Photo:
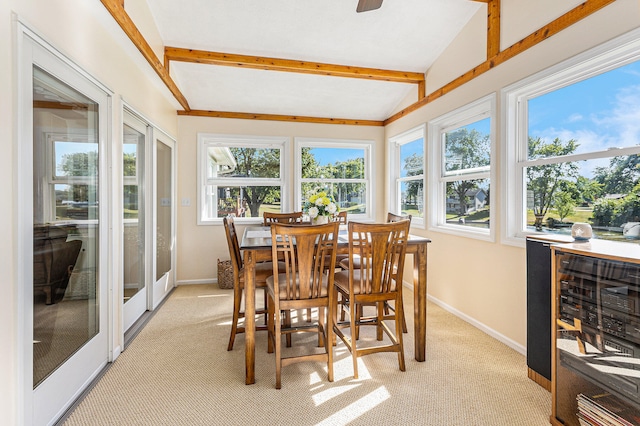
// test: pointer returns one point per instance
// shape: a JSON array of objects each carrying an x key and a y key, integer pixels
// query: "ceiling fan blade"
[{"x": 366, "y": 5}]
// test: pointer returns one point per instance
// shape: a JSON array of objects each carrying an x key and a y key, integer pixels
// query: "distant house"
[{"x": 476, "y": 199}]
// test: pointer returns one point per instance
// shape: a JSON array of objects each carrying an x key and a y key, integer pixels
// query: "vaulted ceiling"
[{"x": 318, "y": 61}]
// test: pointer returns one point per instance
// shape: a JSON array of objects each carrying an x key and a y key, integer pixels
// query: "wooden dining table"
[{"x": 256, "y": 246}]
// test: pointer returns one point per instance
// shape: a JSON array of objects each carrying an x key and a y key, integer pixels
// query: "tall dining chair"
[
  {"x": 263, "y": 270},
  {"x": 302, "y": 283},
  {"x": 269, "y": 217},
  {"x": 344, "y": 264},
  {"x": 341, "y": 217},
  {"x": 382, "y": 248}
]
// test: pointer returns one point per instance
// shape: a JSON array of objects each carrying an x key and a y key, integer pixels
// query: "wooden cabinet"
[{"x": 596, "y": 333}]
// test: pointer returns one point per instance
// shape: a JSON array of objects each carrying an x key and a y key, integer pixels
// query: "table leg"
[
  {"x": 249, "y": 315},
  {"x": 420, "y": 301}
]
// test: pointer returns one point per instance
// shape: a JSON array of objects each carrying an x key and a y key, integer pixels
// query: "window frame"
[
  {"x": 395, "y": 144},
  {"x": 605, "y": 57},
  {"x": 477, "y": 110},
  {"x": 367, "y": 145},
  {"x": 206, "y": 140}
]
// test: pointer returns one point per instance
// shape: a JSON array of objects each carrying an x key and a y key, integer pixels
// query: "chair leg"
[
  {"x": 237, "y": 300},
  {"x": 354, "y": 332},
  {"x": 328, "y": 341},
  {"x": 287, "y": 323},
  {"x": 270, "y": 324},
  {"x": 278, "y": 342},
  {"x": 321, "y": 333},
  {"x": 399, "y": 310}
]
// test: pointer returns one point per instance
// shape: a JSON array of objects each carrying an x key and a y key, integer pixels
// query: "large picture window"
[
  {"x": 341, "y": 169},
  {"x": 573, "y": 146},
  {"x": 240, "y": 176},
  {"x": 462, "y": 156},
  {"x": 406, "y": 160}
]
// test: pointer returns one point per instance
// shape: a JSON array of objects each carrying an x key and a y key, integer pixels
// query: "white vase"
[{"x": 320, "y": 220}]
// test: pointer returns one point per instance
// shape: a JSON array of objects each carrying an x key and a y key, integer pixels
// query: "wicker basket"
[{"x": 225, "y": 274}]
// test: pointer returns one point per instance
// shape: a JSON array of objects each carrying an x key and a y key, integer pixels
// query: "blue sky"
[{"x": 599, "y": 113}]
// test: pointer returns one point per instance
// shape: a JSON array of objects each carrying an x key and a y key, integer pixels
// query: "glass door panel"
[
  {"x": 65, "y": 223},
  {"x": 164, "y": 220},
  {"x": 134, "y": 276},
  {"x": 62, "y": 215}
]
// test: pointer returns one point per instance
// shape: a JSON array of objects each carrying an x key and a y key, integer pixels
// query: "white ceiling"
[{"x": 403, "y": 35}]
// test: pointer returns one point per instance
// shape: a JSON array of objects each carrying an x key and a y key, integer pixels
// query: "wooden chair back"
[
  {"x": 270, "y": 218},
  {"x": 234, "y": 246},
  {"x": 392, "y": 217},
  {"x": 381, "y": 249},
  {"x": 305, "y": 253},
  {"x": 341, "y": 217}
]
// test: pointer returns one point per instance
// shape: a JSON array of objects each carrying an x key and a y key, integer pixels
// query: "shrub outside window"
[{"x": 240, "y": 176}]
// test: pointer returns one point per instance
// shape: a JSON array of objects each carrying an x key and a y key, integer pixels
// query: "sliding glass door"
[
  {"x": 64, "y": 285},
  {"x": 134, "y": 215},
  {"x": 164, "y": 237}
]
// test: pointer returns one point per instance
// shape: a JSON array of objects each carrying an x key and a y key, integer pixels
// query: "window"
[
  {"x": 73, "y": 182},
  {"x": 341, "y": 168},
  {"x": 573, "y": 145},
  {"x": 240, "y": 176},
  {"x": 406, "y": 157},
  {"x": 462, "y": 156}
]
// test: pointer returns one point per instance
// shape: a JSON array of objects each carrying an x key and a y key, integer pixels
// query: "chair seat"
[
  {"x": 282, "y": 281},
  {"x": 263, "y": 271},
  {"x": 341, "y": 281}
]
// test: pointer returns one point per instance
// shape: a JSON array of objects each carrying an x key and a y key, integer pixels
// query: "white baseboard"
[
  {"x": 491, "y": 332},
  {"x": 203, "y": 281}
]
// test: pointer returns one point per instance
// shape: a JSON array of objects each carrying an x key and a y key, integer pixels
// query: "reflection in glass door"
[
  {"x": 68, "y": 290},
  {"x": 164, "y": 236},
  {"x": 134, "y": 277}
]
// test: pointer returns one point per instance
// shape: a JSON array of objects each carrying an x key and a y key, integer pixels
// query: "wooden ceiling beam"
[
  {"x": 554, "y": 27},
  {"x": 493, "y": 28},
  {"x": 275, "y": 117},
  {"x": 116, "y": 9},
  {"x": 289, "y": 65}
]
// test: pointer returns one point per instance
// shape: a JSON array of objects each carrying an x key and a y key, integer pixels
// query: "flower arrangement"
[{"x": 320, "y": 204}]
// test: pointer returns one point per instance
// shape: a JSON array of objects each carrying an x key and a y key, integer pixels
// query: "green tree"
[
  {"x": 257, "y": 163},
  {"x": 414, "y": 165},
  {"x": 80, "y": 164},
  {"x": 621, "y": 175},
  {"x": 543, "y": 181},
  {"x": 465, "y": 149},
  {"x": 564, "y": 205}
]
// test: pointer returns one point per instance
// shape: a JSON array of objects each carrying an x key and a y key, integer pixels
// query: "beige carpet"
[{"x": 178, "y": 372}]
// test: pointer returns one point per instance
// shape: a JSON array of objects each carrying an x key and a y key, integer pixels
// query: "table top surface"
[{"x": 255, "y": 237}]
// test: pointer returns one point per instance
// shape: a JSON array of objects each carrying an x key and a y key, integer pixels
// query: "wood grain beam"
[
  {"x": 288, "y": 65},
  {"x": 493, "y": 28},
  {"x": 554, "y": 27},
  {"x": 116, "y": 9},
  {"x": 275, "y": 117}
]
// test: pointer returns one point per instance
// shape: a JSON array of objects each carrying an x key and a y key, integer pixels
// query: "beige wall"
[
  {"x": 85, "y": 33},
  {"x": 200, "y": 246},
  {"x": 486, "y": 281}
]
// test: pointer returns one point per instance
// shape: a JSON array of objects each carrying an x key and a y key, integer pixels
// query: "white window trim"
[
  {"x": 394, "y": 167},
  {"x": 210, "y": 139},
  {"x": 367, "y": 145},
  {"x": 607, "y": 56},
  {"x": 482, "y": 108}
]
